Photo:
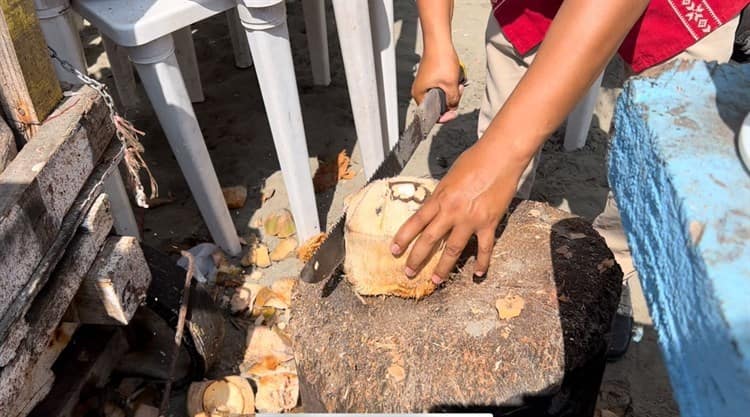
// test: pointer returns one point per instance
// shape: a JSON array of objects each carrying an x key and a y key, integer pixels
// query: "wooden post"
[{"x": 29, "y": 89}]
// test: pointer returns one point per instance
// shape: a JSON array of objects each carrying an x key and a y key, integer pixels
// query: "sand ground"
[{"x": 233, "y": 122}]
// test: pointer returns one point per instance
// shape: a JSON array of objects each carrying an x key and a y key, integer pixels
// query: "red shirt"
[{"x": 665, "y": 29}]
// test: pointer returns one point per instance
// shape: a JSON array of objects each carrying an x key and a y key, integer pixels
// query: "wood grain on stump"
[{"x": 451, "y": 350}]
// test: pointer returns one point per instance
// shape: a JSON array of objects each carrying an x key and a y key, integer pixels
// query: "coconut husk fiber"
[{"x": 452, "y": 350}]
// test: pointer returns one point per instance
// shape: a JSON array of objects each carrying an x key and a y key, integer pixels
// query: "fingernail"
[
  {"x": 409, "y": 272},
  {"x": 479, "y": 273},
  {"x": 437, "y": 280},
  {"x": 395, "y": 249}
]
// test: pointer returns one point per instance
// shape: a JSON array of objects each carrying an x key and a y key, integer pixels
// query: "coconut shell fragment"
[
  {"x": 283, "y": 249},
  {"x": 280, "y": 224},
  {"x": 232, "y": 395}
]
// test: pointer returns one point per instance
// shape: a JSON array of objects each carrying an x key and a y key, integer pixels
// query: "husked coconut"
[{"x": 373, "y": 216}]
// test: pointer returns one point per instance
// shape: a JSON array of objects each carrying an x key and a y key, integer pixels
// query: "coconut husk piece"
[
  {"x": 231, "y": 395},
  {"x": 373, "y": 216},
  {"x": 451, "y": 351}
]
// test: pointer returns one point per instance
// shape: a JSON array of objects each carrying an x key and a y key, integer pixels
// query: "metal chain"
[
  {"x": 126, "y": 133},
  {"x": 100, "y": 88}
]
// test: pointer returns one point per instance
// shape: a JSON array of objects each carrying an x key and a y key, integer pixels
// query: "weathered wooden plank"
[
  {"x": 17, "y": 334},
  {"x": 41, "y": 378},
  {"x": 22, "y": 302},
  {"x": 25, "y": 377},
  {"x": 29, "y": 88},
  {"x": 41, "y": 183},
  {"x": 53, "y": 300},
  {"x": 7, "y": 145},
  {"x": 115, "y": 285},
  {"x": 88, "y": 360}
]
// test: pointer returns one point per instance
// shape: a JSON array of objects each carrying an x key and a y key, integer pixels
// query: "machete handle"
[{"x": 443, "y": 100}]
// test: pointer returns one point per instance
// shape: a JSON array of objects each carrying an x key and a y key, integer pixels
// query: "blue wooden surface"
[{"x": 684, "y": 198}]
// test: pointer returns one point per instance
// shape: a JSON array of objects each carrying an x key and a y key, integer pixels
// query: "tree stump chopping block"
[{"x": 539, "y": 316}]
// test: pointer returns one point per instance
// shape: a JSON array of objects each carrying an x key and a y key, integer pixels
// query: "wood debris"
[
  {"x": 268, "y": 351},
  {"x": 331, "y": 172},
  {"x": 397, "y": 372},
  {"x": 277, "y": 392},
  {"x": 509, "y": 306},
  {"x": 161, "y": 201}
]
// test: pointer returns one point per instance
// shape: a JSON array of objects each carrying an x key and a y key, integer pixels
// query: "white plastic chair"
[
  {"x": 156, "y": 36},
  {"x": 145, "y": 29}
]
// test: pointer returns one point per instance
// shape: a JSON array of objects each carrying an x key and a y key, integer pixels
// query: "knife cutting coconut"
[{"x": 361, "y": 239}]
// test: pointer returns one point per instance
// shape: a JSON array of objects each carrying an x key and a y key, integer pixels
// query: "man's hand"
[
  {"x": 439, "y": 67},
  {"x": 470, "y": 200}
]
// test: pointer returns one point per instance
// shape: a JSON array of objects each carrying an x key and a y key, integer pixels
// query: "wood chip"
[
  {"x": 277, "y": 392},
  {"x": 283, "y": 249},
  {"x": 161, "y": 201},
  {"x": 397, "y": 372},
  {"x": 510, "y": 306},
  {"x": 306, "y": 251},
  {"x": 331, "y": 172}
]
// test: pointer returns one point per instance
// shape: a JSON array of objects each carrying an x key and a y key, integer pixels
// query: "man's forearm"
[
  {"x": 580, "y": 42},
  {"x": 435, "y": 19}
]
